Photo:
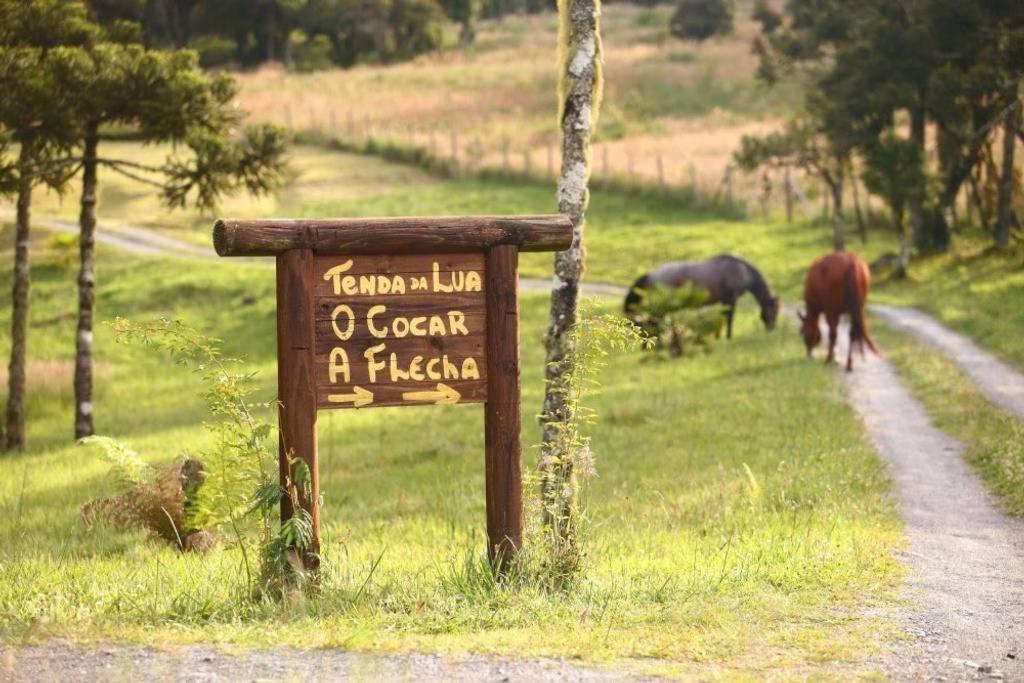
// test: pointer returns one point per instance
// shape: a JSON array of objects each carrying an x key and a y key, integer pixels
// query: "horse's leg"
[
  {"x": 833, "y": 331},
  {"x": 728, "y": 320},
  {"x": 849, "y": 352}
]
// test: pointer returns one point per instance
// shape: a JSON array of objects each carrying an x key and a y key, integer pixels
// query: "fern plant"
[{"x": 240, "y": 491}]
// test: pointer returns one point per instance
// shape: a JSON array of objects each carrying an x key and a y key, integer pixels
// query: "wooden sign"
[
  {"x": 400, "y": 330},
  {"x": 400, "y": 312}
]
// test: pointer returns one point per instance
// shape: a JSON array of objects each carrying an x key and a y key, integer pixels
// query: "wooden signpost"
[{"x": 400, "y": 312}]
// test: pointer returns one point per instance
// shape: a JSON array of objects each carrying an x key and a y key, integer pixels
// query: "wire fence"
[{"x": 449, "y": 151}]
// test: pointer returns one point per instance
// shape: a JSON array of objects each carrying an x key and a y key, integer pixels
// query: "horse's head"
[
  {"x": 770, "y": 313},
  {"x": 810, "y": 331}
]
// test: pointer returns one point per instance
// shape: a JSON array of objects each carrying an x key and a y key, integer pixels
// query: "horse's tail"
[
  {"x": 634, "y": 295},
  {"x": 858, "y": 325}
]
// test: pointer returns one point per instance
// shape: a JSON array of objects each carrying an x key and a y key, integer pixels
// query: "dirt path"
[
  {"x": 57, "y": 661},
  {"x": 1000, "y": 383},
  {"x": 965, "y": 584}
]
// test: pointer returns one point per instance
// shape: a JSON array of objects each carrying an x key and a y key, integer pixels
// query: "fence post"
[
  {"x": 789, "y": 195},
  {"x": 455, "y": 152}
]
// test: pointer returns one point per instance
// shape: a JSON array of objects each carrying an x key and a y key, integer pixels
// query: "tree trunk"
[
  {"x": 86, "y": 287},
  {"x": 580, "y": 79},
  {"x": 838, "y": 232},
  {"x": 15, "y": 439},
  {"x": 917, "y": 136},
  {"x": 905, "y": 238},
  {"x": 1010, "y": 125},
  {"x": 862, "y": 227}
]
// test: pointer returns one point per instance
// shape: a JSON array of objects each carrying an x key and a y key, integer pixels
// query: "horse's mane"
[{"x": 758, "y": 285}]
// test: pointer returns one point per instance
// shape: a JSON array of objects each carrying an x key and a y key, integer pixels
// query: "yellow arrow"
[
  {"x": 358, "y": 398},
  {"x": 444, "y": 395}
]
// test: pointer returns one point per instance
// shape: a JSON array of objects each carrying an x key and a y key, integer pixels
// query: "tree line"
[
  {"x": 921, "y": 98},
  {"x": 303, "y": 33},
  {"x": 70, "y": 83}
]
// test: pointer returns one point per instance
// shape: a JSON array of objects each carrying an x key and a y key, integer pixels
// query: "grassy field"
[
  {"x": 740, "y": 520},
  {"x": 973, "y": 289},
  {"x": 687, "y": 103}
]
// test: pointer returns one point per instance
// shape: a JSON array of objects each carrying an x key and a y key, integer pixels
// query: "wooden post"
[
  {"x": 502, "y": 421},
  {"x": 455, "y": 152},
  {"x": 789, "y": 195},
  {"x": 295, "y": 387}
]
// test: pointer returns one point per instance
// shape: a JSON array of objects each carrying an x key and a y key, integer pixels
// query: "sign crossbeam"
[{"x": 400, "y": 312}]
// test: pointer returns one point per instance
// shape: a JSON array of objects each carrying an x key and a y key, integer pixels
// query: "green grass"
[
  {"x": 740, "y": 519},
  {"x": 973, "y": 289},
  {"x": 994, "y": 438}
]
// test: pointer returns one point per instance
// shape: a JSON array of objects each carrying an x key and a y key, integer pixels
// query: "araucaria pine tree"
[{"x": 40, "y": 42}]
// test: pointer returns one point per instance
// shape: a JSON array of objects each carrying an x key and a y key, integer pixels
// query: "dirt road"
[
  {"x": 57, "y": 661},
  {"x": 965, "y": 584},
  {"x": 1000, "y": 383}
]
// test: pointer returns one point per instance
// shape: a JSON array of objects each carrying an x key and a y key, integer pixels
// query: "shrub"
[
  {"x": 676, "y": 319},
  {"x": 158, "y": 500},
  {"x": 700, "y": 19},
  {"x": 214, "y": 50},
  {"x": 311, "y": 54}
]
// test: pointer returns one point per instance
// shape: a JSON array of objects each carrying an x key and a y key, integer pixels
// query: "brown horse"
[{"x": 837, "y": 283}]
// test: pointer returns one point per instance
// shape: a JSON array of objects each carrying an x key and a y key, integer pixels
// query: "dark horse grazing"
[
  {"x": 837, "y": 283},
  {"x": 726, "y": 278}
]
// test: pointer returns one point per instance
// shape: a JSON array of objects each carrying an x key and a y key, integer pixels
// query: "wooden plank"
[
  {"x": 342, "y": 310},
  {"x": 503, "y": 457},
  {"x": 382, "y": 275},
  {"x": 408, "y": 393},
  {"x": 402, "y": 263},
  {"x": 269, "y": 237},
  {"x": 454, "y": 347},
  {"x": 295, "y": 384},
  {"x": 408, "y": 305},
  {"x": 358, "y": 329}
]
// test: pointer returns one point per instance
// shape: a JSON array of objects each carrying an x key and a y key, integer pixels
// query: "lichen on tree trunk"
[
  {"x": 86, "y": 287},
  {"x": 579, "y": 93},
  {"x": 15, "y": 438}
]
